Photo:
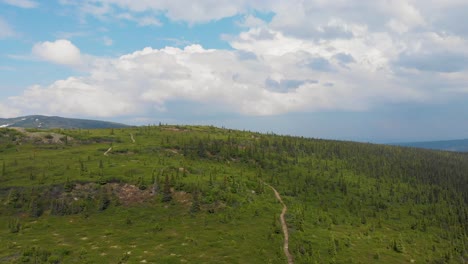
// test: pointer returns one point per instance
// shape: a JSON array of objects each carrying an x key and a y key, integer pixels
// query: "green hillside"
[{"x": 192, "y": 194}]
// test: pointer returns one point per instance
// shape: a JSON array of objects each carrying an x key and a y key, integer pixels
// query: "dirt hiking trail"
[
  {"x": 283, "y": 225},
  {"x": 105, "y": 153}
]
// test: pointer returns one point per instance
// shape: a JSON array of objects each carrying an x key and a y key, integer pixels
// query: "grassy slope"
[
  {"x": 328, "y": 223},
  {"x": 241, "y": 233}
]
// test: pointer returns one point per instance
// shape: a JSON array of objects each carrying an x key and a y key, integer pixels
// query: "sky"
[{"x": 367, "y": 70}]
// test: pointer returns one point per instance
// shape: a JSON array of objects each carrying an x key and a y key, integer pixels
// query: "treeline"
[{"x": 56, "y": 199}]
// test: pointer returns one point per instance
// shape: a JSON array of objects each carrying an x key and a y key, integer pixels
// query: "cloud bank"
[{"x": 312, "y": 56}]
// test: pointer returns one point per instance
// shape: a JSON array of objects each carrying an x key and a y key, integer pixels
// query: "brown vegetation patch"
[
  {"x": 130, "y": 194},
  {"x": 175, "y": 129},
  {"x": 127, "y": 194},
  {"x": 182, "y": 198},
  {"x": 42, "y": 137}
]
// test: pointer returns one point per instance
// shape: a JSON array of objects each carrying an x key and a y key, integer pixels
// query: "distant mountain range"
[
  {"x": 47, "y": 122},
  {"x": 460, "y": 145}
]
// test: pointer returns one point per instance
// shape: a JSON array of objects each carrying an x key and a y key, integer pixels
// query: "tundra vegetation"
[{"x": 197, "y": 194}]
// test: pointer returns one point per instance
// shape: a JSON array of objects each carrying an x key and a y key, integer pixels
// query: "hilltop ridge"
[{"x": 48, "y": 122}]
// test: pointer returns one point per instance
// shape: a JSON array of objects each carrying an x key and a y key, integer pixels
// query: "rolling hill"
[
  {"x": 47, "y": 122},
  {"x": 201, "y": 194}
]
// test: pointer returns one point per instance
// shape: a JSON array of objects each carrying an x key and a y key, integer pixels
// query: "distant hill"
[
  {"x": 47, "y": 122},
  {"x": 460, "y": 145}
]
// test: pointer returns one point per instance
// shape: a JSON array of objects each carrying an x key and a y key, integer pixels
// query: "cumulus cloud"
[
  {"x": 150, "y": 79},
  {"x": 286, "y": 85},
  {"x": 61, "y": 51},
  {"x": 72, "y": 96},
  {"x": 435, "y": 62},
  {"x": 6, "y": 111},
  {"x": 310, "y": 18},
  {"x": 405, "y": 12},
  {"x": 22, "y": 3},
  {"x": 314, "y": 55},
  {"x": 250, "y": 21}
]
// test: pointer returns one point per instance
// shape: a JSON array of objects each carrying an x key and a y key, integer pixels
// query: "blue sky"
[{"x": 379, "y": 71}]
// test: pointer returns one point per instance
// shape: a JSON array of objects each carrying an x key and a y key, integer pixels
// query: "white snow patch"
[{"x": 6, "y": 125}]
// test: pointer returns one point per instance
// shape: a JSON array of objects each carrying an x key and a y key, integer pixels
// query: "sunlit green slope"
[{"x": 166, "y": 194}]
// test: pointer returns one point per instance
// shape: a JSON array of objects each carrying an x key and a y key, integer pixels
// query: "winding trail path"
[
  {"x": 284, "y": 226},
  {"x": 132, "y": 138},
  {"x": 105, "y": 153}
]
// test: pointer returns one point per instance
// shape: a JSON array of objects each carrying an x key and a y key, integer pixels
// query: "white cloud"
[
  {"x": 148, "y": 21},
  {"x": 314, "y": 55},
  {"x": 183, "y": 10},
  {"x": 141, "y": 21},
  {"x": 298, "y": 17},
  {"x": 189, "y": 11},
  {"x": 150, "y": 79},
  {"x": 251, "y": 21},
  {"x": 5, "y": 30},
  {"x": 397, "y": 26},
  {"x": 405, "y": 12},
  {"x": 61, "y": 51},
  {"x": 7, "y": 111},
  {"x": 71, "y": 96},
  {"x": 22, "y": 3}
]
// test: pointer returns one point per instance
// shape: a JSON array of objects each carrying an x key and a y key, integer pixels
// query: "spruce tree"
[
  {"x": 196, "y": 203},
  {"x": 167, "y": 196}
]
